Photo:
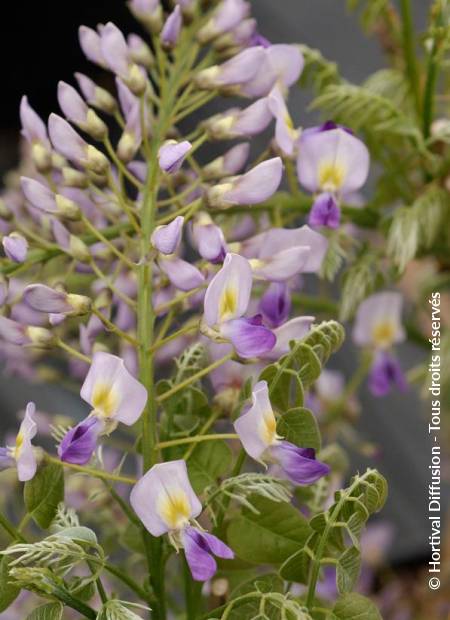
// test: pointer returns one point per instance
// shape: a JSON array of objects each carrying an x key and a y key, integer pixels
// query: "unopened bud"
[
  {"x": 80, "y": 303},
  {"x": 40, "y": 337},
  {"x": 215, "y": 195},
  {"x": 74, "y": 178},
  {"x": 104, "y": 101},
  {"x": 67, "y": 207},
  {"x": 96, "y": 160},
  {"x": 42, "y": 157},
  {"x": 95, "y": 127},
  {"x": 58, "y": 161},
  {"x": 5, "y": 213},
  {"x": 126, "y": 147},
  {"x": 79, "y": 250},
  {"x": 136, "y": 80},
  {"x": 103, "y": 299}
]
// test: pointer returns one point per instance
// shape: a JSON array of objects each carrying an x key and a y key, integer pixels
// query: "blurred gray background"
[{"x": 49, "y": 37}]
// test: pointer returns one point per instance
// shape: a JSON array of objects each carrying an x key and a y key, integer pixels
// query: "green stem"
[
  {"x": 6, "y": 524},
  {"x": 409, "y": 51},
  {"x": 429, "y": 92},
  {"x": 96, "y": 473},
  {"x": 316, "y": 562},
  {"x": 69, "y": 600},
  {"x": 196, "y": 439},
  {"x": 180, "y": 332},
  {"x": 195, "y": 377},
  {"x": 113, "y": 328},
  {"x": 71, "y": 351},
  {"x": 122, "y": 576}
]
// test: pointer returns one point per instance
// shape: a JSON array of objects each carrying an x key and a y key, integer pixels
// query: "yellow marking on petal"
[
  {"x": 18, "y": 447},
  {"x": 268, "y": 428},
  {"x": 331, "y": 176},
  {"x": 383, "y": 334},
  {"x": 175, "y": 509},
  {"x": 228, "y": 303},
  {"x": 104, "y": 399}
]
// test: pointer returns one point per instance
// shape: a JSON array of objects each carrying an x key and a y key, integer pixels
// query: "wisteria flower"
[
  {"x": 171, "y": 155},
  {"x": 114, "y": 395},
  {"x": 22, "y": 455},
  {"x": 15, "y": 247},
  {"x": 257, "y": 430},
  {"x": 165, "y": 502},
  {"x": 226, "y": 301}
]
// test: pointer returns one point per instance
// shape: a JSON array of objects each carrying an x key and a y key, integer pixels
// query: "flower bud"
[
  {"x": 42, "y": 157},
  {"x": 15, "y": 247},
  {"x": 74, "y": 178},
  {"x": 40, "y": 337},
  {"x": 80, "y": 304},
  {"x": 172, "y": 28},
  {"x": 136, "y": 80},
  {"x": 95, "y": 127},
  {"x": 67, "y": 207},
  {"x": 140, "y": 52},
  {"x": 95, "y": 95},
  {"x": 96, "y": 160},
  {"x": 79, "y": 250},
  {"x": 149, "y": 12},
  {"x": 127, "y": 146}
]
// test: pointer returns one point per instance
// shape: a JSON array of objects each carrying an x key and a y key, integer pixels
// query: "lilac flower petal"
[
  {"x": 39, "y": 195},
  {"x": 45, "y": 299},
  {"x": 70, "y": 102},
  {"x": 285, "y": 134},
  {"x": 90, "y": 43},
  {"x": 281, "y": 63},
  {"x": 234, "y": 159},
  {"x": 33, "y": 127},
  {"x": 228, "y": 294},
  {"x": 299, "y": 464},
  {"x": 325, "y": 212},
  {"x": 112, "y": 391},
  {"x": 249, "y": 337},
  {"x": 257, "y": 427},
  {"x": 24, "y": 454},
  {"x": 167, "y": 238},
  {"x": 163, "y": 498},
  {"x": 378, "y": 320},
  {"x": 114, "y": 49},
  {"x": 253, "y": 187},
  {"x": 199, "y": 547},
  {"x": 238, "y": 70},
  {"x": 209, "y": 240},
  {"x": 253, "y": 119},
  {"x": 15, "y": 247},
  {"x": 172, "y": 28},
  {"x": 275, "y": 304},
  {"x": 295, "y": 329},
  {"x": 12, "y": 332},
  {"x": 386, "y": 373},
  {"x": 281, "y": 266},
  {"x": 332, "y": 161},
  {"x": 60, "y": 234},
  {"x": 66, "y": 140},
  {"x": 171, "y": 155},
  {"x": 227, "y": 16},
  {"x": 182, "y": 274},
  {"x": 79, "y": 442}
]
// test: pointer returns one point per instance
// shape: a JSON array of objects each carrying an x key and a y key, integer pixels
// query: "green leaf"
[
  {"x": 269, "y": 537},
  {"x": 208, "y": 462},
  {"x": 50, "y": 611},
  {"x": 270, "y": 582},
  {"x": 296, "y": 568},
  {"x": 347, "y": 570},
  {"x": 78, "y": 533},
  {"x": 286, "y": 386},
  {"x": 43, "y": 493},
  {"x": 356, "y": 607},
  {"x": 299, "y": 426},
  {"x": 8, "y": 591},
  {"x": 115, "y": 610}
]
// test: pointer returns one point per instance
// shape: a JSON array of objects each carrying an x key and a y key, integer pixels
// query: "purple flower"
[
  {"x": 199, "y": 549},
  {"x": 378, "y": 321},
  {"x": 13, "y": 332},
  {"x": 115, "y": 51},
  {"x": 21, "y": 455},
  {"x": 208, "y": 239},
  {"x": 90, "y": 43},
  {"x": 45, "y": 299},
  {"x": 139, "y": 51},
  {"x": 253, "y": 187},
  {"x": 131, "y": 138},
  {"x": 257, "y": 430},
  {"x": 385, "y": 374},
  {"x": 226, "y": 17},
  {"x": 172, "y": 28},
  {"x": 42, "y": 198},
  {"x": 79, "y": 443},
  {"x": 76, "y": 110},
  {"x": 15, "y": 247},
  {"x": 282, "y": 265},
  {"x": 165, "y": 502},
  {"x": 279, "y": 63},
  {"x": 286, "y": 136},
  {"x": 238, "y": 70},
  {"x": 167, "y": 238},
  {"x": 295, "y": 329},
  {"x": 95, "y": 95},
  {"x": 275, "y": 240},
  {"x": 33, "y": 127},
  {"x": 150, "y": 12},
  {"x": 275, "y": 304},
  {"x": 237, "y": 123},
  {"x": 182, "y": 274},
  {"x": 325, "y": 212},
  {"x": 171, "y": 155},
  {"x": 231, "y": 163},
  {"x": 332, "y": 160},
  {"x": 226, "y": 301}
]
